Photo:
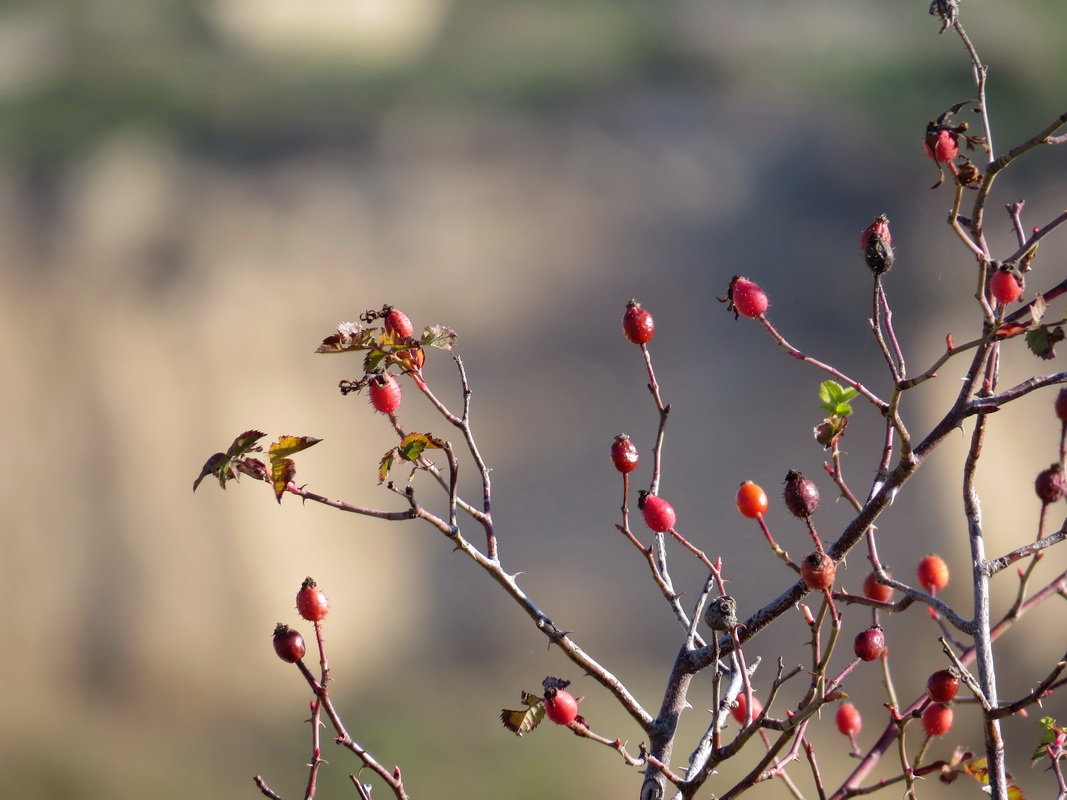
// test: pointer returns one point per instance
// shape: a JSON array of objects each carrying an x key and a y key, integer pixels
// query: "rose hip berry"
[
  {"x": 311, "y": 601},
  {"x": 942, "y": 685},
  {"x": 801, "y": 495},
  {"x": 623, "y": 454},
  {"x": 873, "y": 590},
  {"x": 751, "y": 500},
  {"x": 941, "y": 143},
  {"x": 638, "y": 324},
  {"x": 745, "y": 298},
  {"x": 869, "y": 644},
  {"x": 385, "y": 393},
  {"x": 288, "y": 643},
  {"x": 848, "y": 719},
  {"x": 1061, "y": 405},
  {"x": 658, "y": 513},
  {"x": 561, "y": 708},
  {"x": 877, "y": 245},
  {"x": 817, "y": 570},
  {"x": 937, "y": 719},
  {"x": 738, "y": 711},
  {"x": 1051, "y": 484},
  {"x": 1006, "y": 285},
  {"x": 933, "y": 573},
  {"x": 397, "y": 324}
]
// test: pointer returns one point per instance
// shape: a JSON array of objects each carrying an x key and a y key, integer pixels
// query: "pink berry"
[
  {"x": 658, "y": 513},
  {"x": 870, "y": 644},
  {"x": 873, "y": 590},
  {"x": 848, "y": 719},
  {"x": 937, "y": 719},
  {"x": 385, "y": 393},
  {"x": 311, "y": 601},
  {"x": 397, "y": 324},
  {"x": 940, "y": 144},
  {"x": 624, "y": 454},
  {"x": 738, "y": 711},
  {"x": 933, "y": 573},
  {"x": 637, "y": 324},
  {"x": 746, "y": 298},
  {"x": 1006, "y": 285},
  {"x": 562, "y": 707}
]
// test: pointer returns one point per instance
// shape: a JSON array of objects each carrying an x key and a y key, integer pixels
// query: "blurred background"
[{"x": 193, "y": 193}]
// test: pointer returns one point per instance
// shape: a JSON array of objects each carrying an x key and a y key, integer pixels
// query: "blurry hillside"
[{"x": 193, "y": 194}]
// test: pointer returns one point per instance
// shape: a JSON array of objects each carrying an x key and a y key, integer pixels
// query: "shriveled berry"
[
  {"x": 877, "y": 245},
  {"x": 848, "y": 719},
  {"x": 638, "y": 324},
  {"x": 937, "y": 719},
  {"x": 801, "y": 495},
  {"x": 941, "y": 143},
  {"x": 933, "y": 573},
  {"x": 869, "y": 644},
  {"x": 1051, "y": 484},
  {"x": 397, "y": 324},
  {"x": 288, "y": 643},
  {"x": 1061, "y": 405},
  {"x": 942, "y": 685},
  {"x": 624, "y": 454},
  {"x": 311, "y": 601},
  {"x": 561, "y": 708},
  {"x": 385, "y": 393},
  {"x": 817, "y": 570},
  {"x": 751, "y": 500},
  {"x": 746, "y": 298},
  {"x": 658, "y": 513},
  {"x": 1006, "y": 285},
  {"x": 873, "y": 590},
  {"x": 738, "y": 711}
]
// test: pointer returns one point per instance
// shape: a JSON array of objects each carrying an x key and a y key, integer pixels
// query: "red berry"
[
  {"x": 801, "y": 495},
  {"x": 751, "y": 500},
  {"x": 746, "y": 298},
  {"x": 817, "y": 570},
  {"x": 1051, "y": 484},
  {"x": 397, "y": 324},
  {"x": 1061, "y": 405},
  {"x": 942, "y": 685},
  {"x": 873, "y": 590},
  {"x": 937, "y": 719},
  {"x": 311, "y": 601},
  {"x": 658, "y": 513},
  {"x": 562, "y": 708},
  {"x": 848, "y": 719},
  {"x": 637, "y": 324},
  {"x": 738, "y": 711},
  {"x": 288, "y": 644},
  {"x": 623, "y": 454},
  {"x": 933, "y": 573},
  {"x": 940, "y": 144},
  {"x": 870, "y": 644},
  {"x": 1006, "y": 285},
  {"x": 385, "y": 393}
]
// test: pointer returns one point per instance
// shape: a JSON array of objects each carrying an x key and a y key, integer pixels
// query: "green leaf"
[
  {"x": 282, "y": 471},
  {"x": 1052, "y": 730},
  {"x": 287, "y": 445},
  {"x": 414, "y": 444},
  {"x": 386, "y": 464},
  {"x": 245, "y": 443},
  {"x": 1042, "y": 341},
  {"x": 835, "y": 398},
  {"x": 221, "y": 466}
]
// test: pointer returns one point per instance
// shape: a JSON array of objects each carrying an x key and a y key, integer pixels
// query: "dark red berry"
[
  {"x": 658, "y": 513},
  {"x": 623, "y": 454},
  {"x": 941, "y": 143},
  {"x": 561, "y": 708},
  {"x": 942, "y": 685},
  {"x": 288, "y": 643},
  {"x": 745, "y": 298},
  {"x": 1051, "y": 484},
  {"x": 933, "y": 573},
  {"x": 311, "y": 601},
  {"x": 817, "y": 570},
  {"x": 877, "y": 245},
  {"x": 385, "y": 393},
  {"x": 848, "y": 719},
  {"x": 873, "y": 590},
  {"x": 869, "y": 644},
  {"x": 1006, "y": 285},
  {"x": 738, "y": 711},
  {"x": 801, "y": 495},
  {"x": 1061, "y": 405},
  {"x": 637, "y": 324},
  {"x": 397, "y": 324},
  {"x": 937, "y": 719}
]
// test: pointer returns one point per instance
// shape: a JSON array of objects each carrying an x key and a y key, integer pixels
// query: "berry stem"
[{"x": 775, "y": 547}]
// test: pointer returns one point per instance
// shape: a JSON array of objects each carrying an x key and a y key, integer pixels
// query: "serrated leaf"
[
  {"x": 1038, "y": 308},
  {"x": 282, "y": 472},
  {"x": 830, "y": 391},
  {"x": 438, "y": 336},
  {"x": 218, "y": 465},
  {"x": 385, "y": 465},
  {"x": 978, "y": 769},
  {"x": 372, "y": 360},
  {"x": 244, "y": 443},
  {"x": 1052, "y": 730},
  {"x": 413, "y": 445},
  {"x": 349, "y": 336},
  {"x": 843, "y": 410},
  {"x": 287, "y": 445},
  {"x": 524, "y": 720},
  {"x": 1042, "y": 341}
]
